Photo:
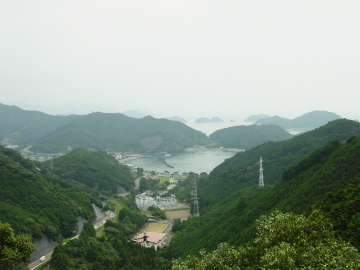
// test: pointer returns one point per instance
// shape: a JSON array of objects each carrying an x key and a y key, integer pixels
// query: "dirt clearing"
[{"x": 182, "y": 214}]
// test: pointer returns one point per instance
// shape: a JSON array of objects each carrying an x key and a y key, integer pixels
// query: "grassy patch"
[
  {"x": 156, "y": 227},
  {"x": 163, "y": 179},
  {"x": 64, "y": 241}
]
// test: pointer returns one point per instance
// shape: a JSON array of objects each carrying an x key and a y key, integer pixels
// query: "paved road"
[{"x": 34, "y": 264}]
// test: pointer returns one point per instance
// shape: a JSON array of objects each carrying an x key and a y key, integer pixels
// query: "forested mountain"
[
  {"x": 246, "y": 137},
  {"x": 283, "y": 241},
  {"x": 98, "y": 170},
  {"x": 36, "y": 202},
  {"x": 113, "y": 250},
  {"x": 236, "y": 201},
  {"x": 318, "y": 169},
  {"x": 22, "y": 127},
  {"x": 98, "y": 131},
  {"x": 242, "y": 169},
  {"x": 118, "y": 132},
  {"x": 341, "y": 207},
  {"x": 308, "y": 120}
]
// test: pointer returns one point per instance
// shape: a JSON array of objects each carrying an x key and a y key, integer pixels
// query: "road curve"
[{"x": 34, "y": 264}]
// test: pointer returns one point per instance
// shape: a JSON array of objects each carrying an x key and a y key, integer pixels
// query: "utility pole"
[
  {"x": 261, "y": 174},
  {"x": 195, "y": 200}
]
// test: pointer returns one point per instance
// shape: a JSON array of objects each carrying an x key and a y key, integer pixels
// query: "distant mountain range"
[
  {"x": 23, "y": 127},
  {"x": 98, "y": 131},
  {"x": 118, "y": 132},
  {"x": 254, "y": 118},
  {"x": 176, "y": 118},
  {"x": 309, "y": 120}
]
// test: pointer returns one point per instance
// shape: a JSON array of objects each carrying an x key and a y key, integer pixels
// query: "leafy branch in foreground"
[
  {"x": 14, "y": 249},
  {"x": 284, "y": 241}
]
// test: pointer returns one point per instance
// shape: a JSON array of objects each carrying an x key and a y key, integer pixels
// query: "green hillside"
[
  {"x": 21, "y": 127},
  {"x": 308, "y": 120},
  {"x": 341, "y": 207},
  {"x": 242, "y": 170},
  {"x": 118, "y": 132},
  {"x": 33, "y": 201},
  {"x": 246, "y": 137},
  {"x": 114, "y": 249},
  {"x": 232, "y": 215},
  {"x": 98, "y": 170},
  {"x": 283, "y": 241}
]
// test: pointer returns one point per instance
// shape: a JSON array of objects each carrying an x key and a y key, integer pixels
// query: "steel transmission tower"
[
  {"x": 261, "y": 174},
  {"x": 195, "y": 201}
]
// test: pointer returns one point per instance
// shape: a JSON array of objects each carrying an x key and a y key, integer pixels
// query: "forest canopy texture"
[
  {"x": 231, "y": 201},
  {"x": 284, "y": 241}
]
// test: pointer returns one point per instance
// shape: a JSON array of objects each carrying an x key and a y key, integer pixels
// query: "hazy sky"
[{"x": 226, "y": 58}]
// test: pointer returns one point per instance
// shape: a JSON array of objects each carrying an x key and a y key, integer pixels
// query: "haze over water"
[{"x": 209, "y": 128}]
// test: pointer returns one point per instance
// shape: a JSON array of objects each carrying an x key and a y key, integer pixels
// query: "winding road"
[{"x": 109, "y": 215}]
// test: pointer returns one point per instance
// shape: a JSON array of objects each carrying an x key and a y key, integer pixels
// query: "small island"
[{"x": 207, "y": 120}]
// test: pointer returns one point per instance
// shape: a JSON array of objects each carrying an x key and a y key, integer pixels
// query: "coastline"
[{"x": 124, "y": 160}]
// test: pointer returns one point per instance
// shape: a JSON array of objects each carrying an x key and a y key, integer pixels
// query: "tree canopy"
[
  {"x": 284, "y": 241},
  {"x": 14, "y": 249},
  {"x": 247, "y": 137},
  {"x": 231, "y": 219},
  {"x": 96, "y": 169},
  {"x": 115, "y": 131}
]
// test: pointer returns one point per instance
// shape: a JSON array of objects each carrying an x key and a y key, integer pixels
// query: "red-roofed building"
[{"x": 151, "y": 239}]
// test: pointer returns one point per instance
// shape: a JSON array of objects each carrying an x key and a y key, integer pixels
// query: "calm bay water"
[{"x": 204, "y": 161}]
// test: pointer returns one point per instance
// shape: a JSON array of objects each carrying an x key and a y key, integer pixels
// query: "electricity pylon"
[{"x": 261, "y": 174}]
